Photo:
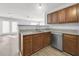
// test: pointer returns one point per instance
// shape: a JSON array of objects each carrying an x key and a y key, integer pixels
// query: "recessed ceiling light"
[{"x": 40, "y": 6}]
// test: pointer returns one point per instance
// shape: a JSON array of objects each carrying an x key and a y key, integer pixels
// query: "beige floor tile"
[{"x": 49, "y": 51}]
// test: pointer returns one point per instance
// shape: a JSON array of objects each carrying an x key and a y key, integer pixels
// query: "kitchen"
[
  {"x": 51, "y": 29},
  {"x": 40, "y": 37}
]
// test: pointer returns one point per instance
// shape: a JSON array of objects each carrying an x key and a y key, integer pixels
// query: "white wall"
[
  {"x": 58, "y": 6},
  {"x": 20, "y": 21},
  {"x": 0, "y": 27}
]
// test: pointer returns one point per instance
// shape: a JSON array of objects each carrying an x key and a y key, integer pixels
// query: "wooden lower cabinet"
[
  {"x": 33, "y": 43},
  {"x": 36, "y": 43},
  {"x": 78, "y": 46},
  {"x": 46, "y": 39},
  {"x": 70, "y": 44},
  {"x": 27, "y": 45}
]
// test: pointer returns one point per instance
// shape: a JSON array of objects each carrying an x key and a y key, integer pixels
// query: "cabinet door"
[
  {"x": 27, "y": 45},
  {"x": 36, "y": 43},
  {"x": 49, "y": 19},
  {"x": 46, "y": 39},
  {"x": 70, "y": 44},
  {"x": 78, "y": 46},
  {"x": 61, "y": 16},
  {"x": 78, "y": 12},
  {"x": 71, "y": 14},
  {"x": 54, "y": 18}
]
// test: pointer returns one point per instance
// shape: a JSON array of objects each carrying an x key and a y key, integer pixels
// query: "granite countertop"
[
  {"x": 74, "y": 32},
  {"x": 32, "y": 32},
  {"x": 52, "y": 31}
]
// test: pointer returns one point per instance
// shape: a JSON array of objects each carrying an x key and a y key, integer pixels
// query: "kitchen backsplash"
[
  {"x": 68, "y": 26},
  {"x": 32, "y": 27},
  {"x": 63, "y": 28},
  {"x": 74, "y": 26}
]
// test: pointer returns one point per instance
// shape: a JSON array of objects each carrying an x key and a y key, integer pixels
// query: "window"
[
  {"x": 5, "y": 27},
  {"x": 14, "y": 26}
]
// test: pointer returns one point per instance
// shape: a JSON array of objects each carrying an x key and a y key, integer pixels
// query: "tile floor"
[{"x": 49, "y": 51}]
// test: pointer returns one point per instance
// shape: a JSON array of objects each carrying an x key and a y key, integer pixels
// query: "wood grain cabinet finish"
[
  {"x": 46, "y": 39},
  {"x": 70, "y": 44},
  {"x": 36, "y": 43},
  {"x": 61, "y": 16},
  {"x": 78, "y": 12},
  {"x": 27, "y": 45},
  {"x": 33, "y": 43},
  {"x": 66, "y": 15},
  {"x": 71, "y": 14},
  {"x": 54, "y": 18},
  {"x": 49, "y": 19},
  {"x": 77, "y": 45}
]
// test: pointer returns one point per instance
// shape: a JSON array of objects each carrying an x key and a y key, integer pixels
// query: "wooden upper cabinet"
[
  {"x": 71, "y": 14},
  {"x": 78, "y": 12},
  {"x": 66, "y": 15},
  {"x": 61, "y": 16},
  {"x": 49, "y": 20},
  {"x": 54, "y": 18}
]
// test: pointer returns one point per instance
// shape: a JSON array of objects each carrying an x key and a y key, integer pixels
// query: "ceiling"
[
  {"x": 27, "y": 11},
  {"x": 22, "y": 10}
]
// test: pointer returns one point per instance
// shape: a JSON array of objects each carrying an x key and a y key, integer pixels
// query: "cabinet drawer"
[
  {"x": 36, "y": 35},
  {"x": 27, "y": 37},
  {"x": 70, "y": 36}
]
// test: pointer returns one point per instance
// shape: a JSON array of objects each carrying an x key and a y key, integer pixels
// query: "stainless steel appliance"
[{"x": 57, "y": 41}]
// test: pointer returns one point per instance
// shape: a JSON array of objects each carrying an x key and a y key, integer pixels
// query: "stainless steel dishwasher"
[{"x": 57, "y": 41}]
